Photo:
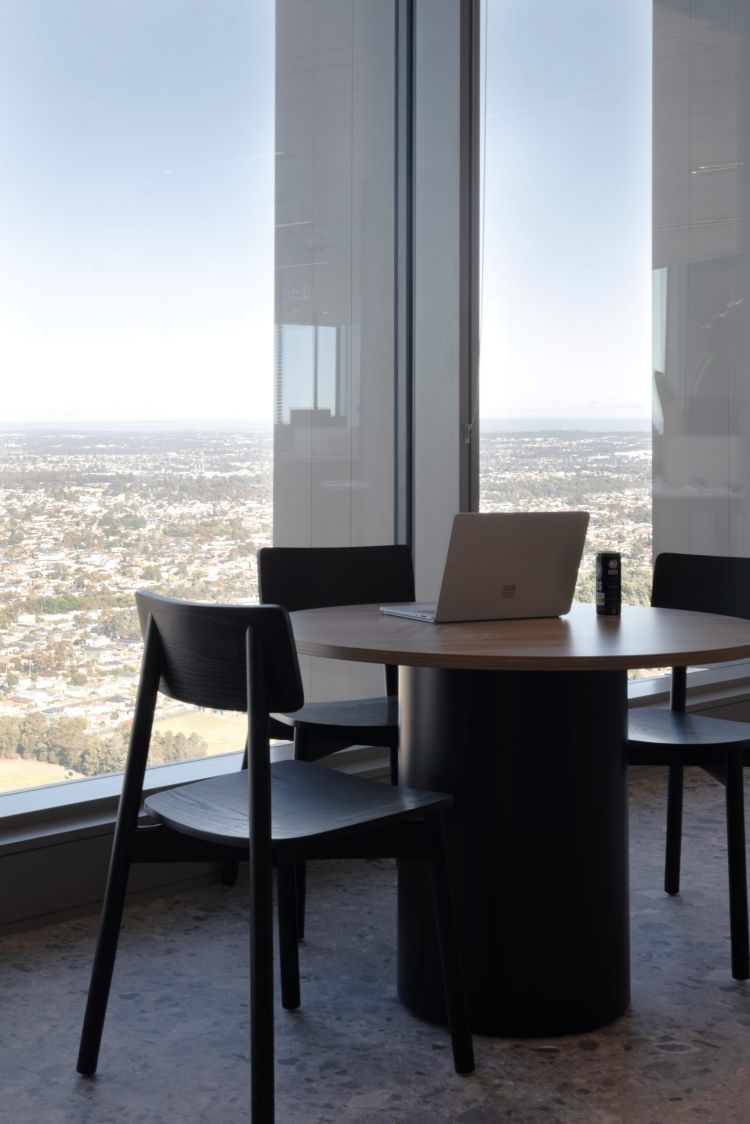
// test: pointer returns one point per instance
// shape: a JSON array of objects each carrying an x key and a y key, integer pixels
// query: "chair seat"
[
  {"x": 378, "y": 714},
  {"x": 307, "y": 801},
  {"x": 665, "y": 729}
]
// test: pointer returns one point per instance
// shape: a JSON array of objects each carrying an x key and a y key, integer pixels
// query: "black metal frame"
[
  {"x": 403, "y": 476},
  {"x": 468, "y": 221},
  {"x": 469, "y": 47}
]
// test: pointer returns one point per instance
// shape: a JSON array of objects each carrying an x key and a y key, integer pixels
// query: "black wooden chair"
[
  {"x": 704, "y": 584},
  {"x": 243, "y": 659},
  {"x": 319, "y": 577}
]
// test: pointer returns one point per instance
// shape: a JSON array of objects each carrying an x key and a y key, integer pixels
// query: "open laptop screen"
[{"x": 506, "y": 565}]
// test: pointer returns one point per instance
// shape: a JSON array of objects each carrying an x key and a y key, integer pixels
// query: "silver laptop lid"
[{"x": 504, "y": 565}]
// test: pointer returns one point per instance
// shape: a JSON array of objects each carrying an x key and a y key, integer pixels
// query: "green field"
[
  {"x": 223, "y": 732},
  {"x": 17, "y": 773}
]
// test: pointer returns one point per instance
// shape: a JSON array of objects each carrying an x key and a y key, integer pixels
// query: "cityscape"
[
  {"x": 605, "y": 473},
  {"x": 86, "y": 518}
]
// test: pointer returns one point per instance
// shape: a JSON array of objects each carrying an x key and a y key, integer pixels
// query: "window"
[
  {"x": 701, "y": 424},
  {"x": 565, "y": 260},
  {"x": 147, "y": 160},
  {"x": 137, "y": 343},
  {"x": 335, "y": 233}
]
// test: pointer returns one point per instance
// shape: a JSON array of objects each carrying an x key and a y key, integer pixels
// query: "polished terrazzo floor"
[{"x": 175, "y": 1045}]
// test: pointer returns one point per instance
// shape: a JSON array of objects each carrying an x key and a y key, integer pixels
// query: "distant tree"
[
  {"x": 108, "y": 525},
  {"x": 8, "y": 614},
  {"x": 59, "y": 603},
  {"x": 132, "y": 522},
  {"x": 52, "y": 658},
  {"x": 102, "y": 756},
  {"x": 67, "y": 741},
  {"x": 9, "y": 737},
  {"x": 32, "y": 737},
  {"x": 169, "y": 746},
  {"x": 74, "y": 540},
  {"x": 119, "y": 624}
]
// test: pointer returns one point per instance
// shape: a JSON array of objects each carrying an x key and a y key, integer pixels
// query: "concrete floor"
[{"x": 175, "y": 1045}]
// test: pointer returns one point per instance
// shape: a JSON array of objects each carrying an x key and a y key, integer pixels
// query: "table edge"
[
  {"x": 521, "y": 663},
  {"x": 389, "y": 651}
]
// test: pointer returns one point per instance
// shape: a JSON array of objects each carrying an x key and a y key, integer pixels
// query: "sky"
[
  {"x": 136, "y": 209},
  {"x": 566, "y": 308}
]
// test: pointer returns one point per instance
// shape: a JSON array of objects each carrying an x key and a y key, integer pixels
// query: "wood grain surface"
[{"x": 580, "y": 641}]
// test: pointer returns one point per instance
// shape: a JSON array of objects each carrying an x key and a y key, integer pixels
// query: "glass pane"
[
  {"x": 334, "y": 431},
  {"x": 701, "y": 286},
  {"x": 565, "y": 271},
  {"x": 136, "y": 340}
]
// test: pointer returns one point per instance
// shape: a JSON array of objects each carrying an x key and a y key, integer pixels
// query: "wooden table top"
[{"x": 580, "y": 641}]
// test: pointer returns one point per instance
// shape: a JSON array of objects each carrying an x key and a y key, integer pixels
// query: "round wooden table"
[{"x": 525, "y": 722}]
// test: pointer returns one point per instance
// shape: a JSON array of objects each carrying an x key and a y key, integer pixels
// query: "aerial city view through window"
[
  {"x": 596, "y": 466},
  {"x": 137, "y": 220},
  {"x": 140, "y": 288},
  {"x": 87, "y": 517}
]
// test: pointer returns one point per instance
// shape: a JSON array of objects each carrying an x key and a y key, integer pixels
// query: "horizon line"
[{"x": 232, "y": 423}]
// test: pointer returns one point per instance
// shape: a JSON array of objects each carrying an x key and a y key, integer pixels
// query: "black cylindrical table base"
[{"x": 536, "y": 762}]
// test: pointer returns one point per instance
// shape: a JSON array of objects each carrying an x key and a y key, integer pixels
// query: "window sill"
[
  {"x": 55, "y": 813},
  {"x": 75, "y": 808},
  {"x": 707, "y": 687},
  {"x": 55, "y": 840}
]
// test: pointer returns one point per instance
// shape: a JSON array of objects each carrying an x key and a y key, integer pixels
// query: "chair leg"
[
  {"x": 737, "y": 865},
  {"x": 674, "y": 830},
  {"x": 262, "y": 1084},
  {"x": 288, "y": 951},
  {"x": 229, "y": 872},
  {"x": 301, "y": 740},
  {"x": 230, "y": 869},
  {"x": 450, "y": 959},
  {"x": 104, "y": 958},
  {"x": 300, "y": 889},
  {"x": 393, "y": 751}
]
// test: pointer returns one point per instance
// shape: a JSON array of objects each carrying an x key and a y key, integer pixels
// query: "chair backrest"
[
  {"x": 703, "y": 583},
  {"x": 315, "y": 577},
  {"x": 228, "y": 657},
  {"x": 202, "y": 652},
  {"x": 318, "y": 577}
]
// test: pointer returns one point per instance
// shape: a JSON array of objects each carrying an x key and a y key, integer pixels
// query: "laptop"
[{"x": 506, "y": 565}]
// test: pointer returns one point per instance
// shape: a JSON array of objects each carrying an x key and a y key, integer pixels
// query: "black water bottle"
[{"x": 608, "y": 584}]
